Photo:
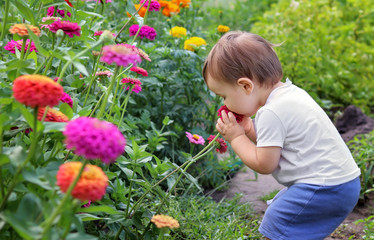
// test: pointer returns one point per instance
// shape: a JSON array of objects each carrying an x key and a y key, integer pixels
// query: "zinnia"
[
  {"x": 220, "y": 143},
  {"x": 53, "y": 115},
  {"x": 51, "y": 12},
  {"x": 93, "y": 138},
  {"x": 69, "y": 28},
  {"x": 163, "y": 221},
  {"x": 182, "y": 3},
  {"x": 194, "y": 138},
  {"x": 122, "y": 55},
  {"x": 134, "y": 82},
  {"x": 193, "y": 43},
  {"x": 145, "y": 31},
  {"x": 37, "y": 90},
  {"x": 67, "y": 99},
  {"x": 178, "y": 32},
  {"x": 140, "y": 71},
  {"x": 21, "y": 29},
  {"x": 223, "y": 28},
  {"x": 12, "y": 45},
  {"x": 238, "y": 117},
  {"x": 104, "y": 73},
  {"x": 155, "y": 5},
  {"x": 170, "y": 9},
  {"x": 141, "y": 12},
  {"x": 91, "y": 185}
]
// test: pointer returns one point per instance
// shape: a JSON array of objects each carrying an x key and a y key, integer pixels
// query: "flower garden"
[{"x": 107, "y": 130}]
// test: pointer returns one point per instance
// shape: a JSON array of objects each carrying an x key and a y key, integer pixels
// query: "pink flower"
[
  {"x": 45, "y": 19},
  {"x": 238, "y": 117},
  {"x": 132, "y": 81},
  {"x": 155, "y": 5},
  {"x": 138, "y": 51},
  {"x": 140, "y": 71},
  {"x": 98, "y": 33},
  {"x": 93, "y": 138},
  {"x": 220, "y": 143},
  {"x": 67, "y": 99},
  {"x": 56, "y": 79},
  {"x": 104, "y": 73},
  {"x": 51, "y": 10},
  {"x": 121, "y": 55},
  {"x": 12, "y": 45},
  {"x": 69, "y": 28},
  {"x": 196, "y": 139},
  {"x": 145, "y": 31}
]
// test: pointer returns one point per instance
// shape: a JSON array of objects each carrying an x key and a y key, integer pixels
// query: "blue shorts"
[{"x": 306, "y": 211}]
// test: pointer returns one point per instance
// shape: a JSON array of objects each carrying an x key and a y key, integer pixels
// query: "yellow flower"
[
  {"x": 193, "y": 43},
  {"x": 163, "y": 221},
  {"x": 178, "y": 32},
  {"x": 223, "y": 28}
]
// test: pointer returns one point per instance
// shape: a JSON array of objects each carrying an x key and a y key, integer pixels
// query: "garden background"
[{"x": 116, "y": 116}]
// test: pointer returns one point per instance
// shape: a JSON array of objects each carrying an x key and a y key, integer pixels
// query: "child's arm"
[
  {"x": 247, "y": 124},
  {"x": 263, "y": 160}
]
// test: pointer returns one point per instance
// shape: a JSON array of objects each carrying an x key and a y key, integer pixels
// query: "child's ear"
[{"x": 246, "y": 84}]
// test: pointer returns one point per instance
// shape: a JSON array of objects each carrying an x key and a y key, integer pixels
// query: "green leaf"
[
  {"x": 29, "y": 208},
  {"x": 66, "y": 109},
  {"x": 102, "y": 208},
  {"x": 167, "y": 121},
  {"x": 25, "y": 11},
  {"x": 54, "y": 126},
  {"x": 33, "y": 56},
  {"x": 89, "y": 217},
  {"x": 34, "y": 178},
  {"x": 36, "y": 41},
  {"x": 81, "y": 68},
  {"x": 4, "y": 159},
  {"x": 26, "y": 229}
]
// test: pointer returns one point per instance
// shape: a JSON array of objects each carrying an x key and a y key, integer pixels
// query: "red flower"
[
  {"x": 37, "y": 91},
  {"x": 220, "y": 143},
  {"x": 140, "y": 71},
  {"x": 68, "y": 2},
  {"x": 238, "y": 117}
]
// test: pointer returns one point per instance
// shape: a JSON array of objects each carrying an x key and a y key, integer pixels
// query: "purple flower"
[
  {"x": 69, "y": 28},
  {"x": 93, "y": 138},
  {"x": 12, "y": 45},
  {"x": 155, "y": 5},
  {"x": 194, "y": 138},
  {"x": 51, "y": 11},
  {"x": 120, "y": 54},
  {"x": 67, "y": 99},
  {"x": 145, "y": 31}
]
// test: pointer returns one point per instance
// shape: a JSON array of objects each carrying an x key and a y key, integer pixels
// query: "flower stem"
[
  {"x": 92, "y": 80},
  {"x": 125, "y": 105},
  {"x": 5, "y": 19},
  {"x": 48, "y": 223}
]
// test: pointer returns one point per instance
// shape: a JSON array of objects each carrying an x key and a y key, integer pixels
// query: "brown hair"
[{"x": 241, "y": 54}]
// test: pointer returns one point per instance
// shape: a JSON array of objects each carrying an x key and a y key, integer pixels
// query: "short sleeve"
[{"x": 269, "y": 129}]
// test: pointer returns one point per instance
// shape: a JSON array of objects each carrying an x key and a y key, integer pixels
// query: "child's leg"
[{"x": 307, "y": 211}]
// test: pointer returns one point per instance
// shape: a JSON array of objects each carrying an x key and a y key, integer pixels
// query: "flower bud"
[
  {"x": 106, "y": 36},
  {"x": 60, "y": 33}
]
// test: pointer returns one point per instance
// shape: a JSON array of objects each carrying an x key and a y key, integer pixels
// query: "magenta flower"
[
  {"x": 93, "y": 138},
  {"x": 238, "y": 117},
  {"x": 120, "y": 54},
  {"x": 194, "y": 138},
  {"x": 155, "y": 5},
  {"x": 69, "y": 28},
  {"x": 140, "y": 52},
  {"x": 67, "y": 99},
  {"x": 12, "y": 45},
  {"x": 140, "y": 71},
  {"x": 132, "y": 81},
  {"x": 45, "y": 19},
  {"x": 220, "y": 143},
  {"x": 145, "y": 31},
  {"x": 51, "y": 10}
]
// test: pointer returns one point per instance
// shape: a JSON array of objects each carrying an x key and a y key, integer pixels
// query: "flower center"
[{"x": 196, "y": 137}]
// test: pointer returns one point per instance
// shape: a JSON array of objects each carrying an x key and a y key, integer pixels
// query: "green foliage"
[
  {"x": 326, "y": 48},
  {"x": 368, "y": 227}
]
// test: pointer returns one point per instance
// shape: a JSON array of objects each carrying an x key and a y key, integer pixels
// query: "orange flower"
[
  {"x": 91, "y": 185},
  {"x": 21, "y": 29},
  {"x": 172, "y": 8},
  {"x": 163, "y": 221},
  {"x": 141, "y": 11},
  {"x": 53, "y": 115},
  {"x": 164, "y": 3},
  {"x": 182, "y": 3},
  {"x": 37, "y": 91}
]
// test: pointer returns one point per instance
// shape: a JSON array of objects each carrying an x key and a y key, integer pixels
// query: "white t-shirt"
[{"x": 313, "y": 151}]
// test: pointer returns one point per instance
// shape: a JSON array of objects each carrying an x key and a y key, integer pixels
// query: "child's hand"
[
  {"x": 247, "y": 124},
  {"x": 228, "y": 126}
]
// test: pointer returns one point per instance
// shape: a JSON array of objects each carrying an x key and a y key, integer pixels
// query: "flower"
[
  {"x": 162, "y": 221},
  {"x": 93, "y": 138},
  {"x": 21, "y": 29},
  {"x": 140, "y": 71},
  {"x": 91, "y": 185},
  {"x": 170, "y": 8},
  {"x": 178, "y": 32},
  {"x": 145, "y": 31},
  {"x": 69, "y": 28},
  {"x": 101, "y": 1},
  {"x": 220, "y": 143},
  {"x": 155, "y": 5},
  {"x": 238, "y": 117},
  {"x": 98, "y": 33},
  {"x": 45, "y": 19},
  {"x": 12, "y": 45},
  {"x": 53, "y": 115},
  {"x": 67, "y": 99},
  {"x": 132, "y": 81},
  {"x": 104, "y": 73},
  {"x": 196, "y": 139},
  {"x": 193, "y": 43},
  {"x": 69, "y": 3},
  {"x": 37, "y": 91},
  {"x": 51, "y": 12},
  {"x": 120, "y": 54},
  {"x": 182, "y": 3},
  {"x": 223, "y": 28},
  {"x": 141, "y": 12}
]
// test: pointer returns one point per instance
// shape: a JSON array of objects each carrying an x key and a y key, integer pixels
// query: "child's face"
[{"x": 240, "y": 98}]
